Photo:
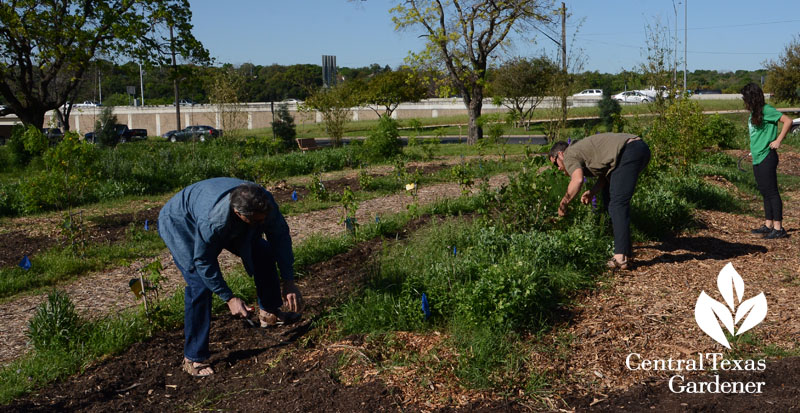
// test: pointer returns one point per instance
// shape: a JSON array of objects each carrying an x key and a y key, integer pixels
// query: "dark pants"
[
  {"x": 766, "y": 174},
  {"x": 618, "y": 193},
  {"x": 197, "y": 300}
]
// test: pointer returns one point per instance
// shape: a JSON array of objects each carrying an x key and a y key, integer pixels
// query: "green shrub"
[
  {"x": 610, "y": 111},
  {"x": 105, "y": 127},
  {"x": 383, "y": 142},
  {"x": 657, "y": 210},
  {"x": 283, "y": 128},
  {"x": 678, "y": 138},
  {"x": 26, "y": 143},
  {"x": 55, "y": 325},
  {"x": 724, "y": 133}
]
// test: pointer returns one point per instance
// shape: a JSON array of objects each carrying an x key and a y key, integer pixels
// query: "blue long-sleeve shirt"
[{"x": 198, "y": 223}]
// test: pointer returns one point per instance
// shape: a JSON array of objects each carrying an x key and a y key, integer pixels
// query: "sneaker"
[
  {"x": 280, "y": 318},
  {"x": 763, "y": 230},
  {"x": 776, "y": 233}
]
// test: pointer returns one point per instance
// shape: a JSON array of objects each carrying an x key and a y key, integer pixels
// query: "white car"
[
  {"x": 795, "y": 126},
  {"x": 589, "y": 93},
  {"x": 86, "y": 104},
  {"x": 632, "y": 96}
]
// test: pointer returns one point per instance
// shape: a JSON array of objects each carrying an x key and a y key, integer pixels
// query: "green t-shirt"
[
  {"x": 762, "y": 135},
  {"x": 597, "y": 155}
]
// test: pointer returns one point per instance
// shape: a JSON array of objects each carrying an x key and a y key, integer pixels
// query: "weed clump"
[{"x": 56, "y": 325}]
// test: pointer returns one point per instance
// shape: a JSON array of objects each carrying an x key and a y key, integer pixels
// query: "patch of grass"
[{"x": 60, "y": 264}]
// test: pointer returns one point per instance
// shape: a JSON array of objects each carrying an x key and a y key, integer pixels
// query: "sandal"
[
  {"x": 613, "y": 264},
  {"x": 194, "y": 368}
]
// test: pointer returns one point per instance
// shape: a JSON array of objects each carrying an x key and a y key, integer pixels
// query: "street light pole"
[
  {"x": 141, "y": 82},
  {"x": 175, "y": 81},
  {"x": 685, "y": 37}
]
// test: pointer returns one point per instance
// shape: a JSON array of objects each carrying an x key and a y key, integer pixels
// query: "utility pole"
[
  {"x": 675, "y": 51},
  {"x": 175, "y": 81},
  {"x": 564, "y": 63},
  {"x": 141, "y": 82},
  {"x": 685, "y": 37}
]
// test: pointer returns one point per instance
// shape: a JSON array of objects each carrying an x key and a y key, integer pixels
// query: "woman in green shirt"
[{"x": 764, "y": 143}]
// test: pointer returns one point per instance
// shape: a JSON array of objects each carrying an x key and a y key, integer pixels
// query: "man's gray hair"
[
  {"x": 249, "y": 199},
  {"x": 557, "y": 147}
]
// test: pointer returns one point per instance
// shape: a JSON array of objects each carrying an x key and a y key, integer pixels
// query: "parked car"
[
  {"x": 707, "y": 92},
  {"x": 123, "y": 134},
  {"x": 795, "y": 126},
  {"x": 192, "y": 133},
  {"x": 632, "y": 96},
  {"x": 589, "y": 93},
  {"x": 54, "y": 135},
  {"x": 138, "y": 134},
  {"x": 87, "y": 104},
  {"x": 187, "y": 102}
]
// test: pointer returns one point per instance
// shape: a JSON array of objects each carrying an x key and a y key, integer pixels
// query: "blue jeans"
[{"x": 197, "y": 300}]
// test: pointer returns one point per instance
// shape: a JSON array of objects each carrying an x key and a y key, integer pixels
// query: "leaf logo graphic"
[{"x": 709, "y": 313}]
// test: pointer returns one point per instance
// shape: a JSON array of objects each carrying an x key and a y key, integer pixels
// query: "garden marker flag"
[
  {"x": 455, "y": 251},
  {"x": 294, "y": 195},
  {"x": 25, "y": 264},
  {"x": 377, "y": 219},
  {"x": 425, "y": 308},
  {"x": 146, "y": 226}
]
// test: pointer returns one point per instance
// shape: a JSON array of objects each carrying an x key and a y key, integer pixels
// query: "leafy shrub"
[
  {"x": 677, "y": 139},
  {"x": 723, "y": 133},
  {"x": 610, "y": 110},
  {"x": 104, "y": 127},
  {"x": 531, "y": 197},
  {"x": 26, "y": 143},
  {"x": 383, "y": 142},
  {"x": 283, "y": 128},
  {"x": 657, "y": 210},
  {"x": 56, "y": 325}
]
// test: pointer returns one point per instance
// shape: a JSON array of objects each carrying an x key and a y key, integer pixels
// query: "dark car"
[
  {"x": 192, "y": 133},
  {"x": 54, "y": 135},
  {"x": 123, "y": 134}
]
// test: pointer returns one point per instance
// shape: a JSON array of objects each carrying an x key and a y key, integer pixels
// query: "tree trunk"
[
  {"x": 474, "y": 106},
  {"x": 32, "y": 116}
]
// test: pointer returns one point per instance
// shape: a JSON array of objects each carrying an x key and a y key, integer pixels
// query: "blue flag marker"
[
  {"x": 146, "y": 226},
  {"x": 594, "y": 203},
  {"x": 425, "y": 308},
  {"x": 294, "y": 196},
  {"x": 569, "y": 141},
  {"x": 25, "y": 264},
  {"x": 377, "y": 219},
  {"x": 455, "y": 251}
]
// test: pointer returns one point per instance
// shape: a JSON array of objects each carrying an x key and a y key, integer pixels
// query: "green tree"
[
  {"x": 46, "y": 47},
  {"x": 335, "y": 104},
  {"x": 462, "y": 35},
  {"x": 783, "y": 78},
  {"x": 387, "y": 90},
  {"x": 283, "y": 128},
  {"x": 521, "y": 84}
]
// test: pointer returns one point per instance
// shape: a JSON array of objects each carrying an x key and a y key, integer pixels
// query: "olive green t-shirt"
[
  {"x": 597, "y": 155},
  {"x": 762, "y": 135}
]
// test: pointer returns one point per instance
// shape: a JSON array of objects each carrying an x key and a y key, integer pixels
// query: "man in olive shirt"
[{"x": 616, "y": 159}]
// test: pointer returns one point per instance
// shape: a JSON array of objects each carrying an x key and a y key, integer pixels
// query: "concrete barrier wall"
[{"x": 160, "y": 119}]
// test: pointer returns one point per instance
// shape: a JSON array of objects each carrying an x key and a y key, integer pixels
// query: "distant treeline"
[{"x": 278, "y": 82}]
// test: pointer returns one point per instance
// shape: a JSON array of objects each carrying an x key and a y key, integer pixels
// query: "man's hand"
[
  {"x": 586, "y": 197},
  {"x": 238, "y": 307},
  {"x": 292, "y": 299},
  {"x": 562, "y": 208}
]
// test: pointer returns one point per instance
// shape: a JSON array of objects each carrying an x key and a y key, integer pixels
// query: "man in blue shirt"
[{"x": 227, "y": 213}]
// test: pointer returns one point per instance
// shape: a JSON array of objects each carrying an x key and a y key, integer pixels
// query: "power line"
[{"x": 694, "y": 28}]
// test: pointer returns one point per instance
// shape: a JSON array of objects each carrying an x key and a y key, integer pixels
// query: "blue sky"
[{"x": 722, "y": 35}]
